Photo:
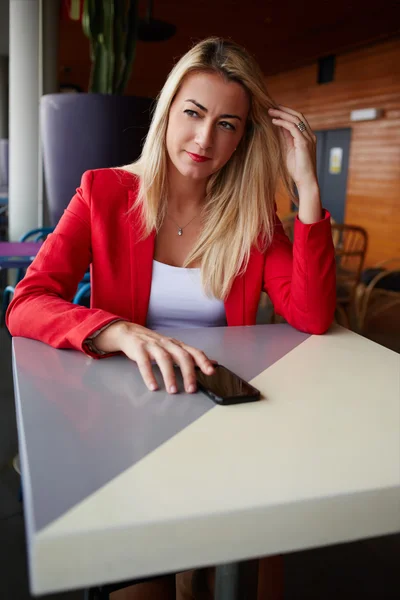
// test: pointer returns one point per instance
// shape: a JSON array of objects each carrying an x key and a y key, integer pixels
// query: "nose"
[{"x": 204, "y": 136}]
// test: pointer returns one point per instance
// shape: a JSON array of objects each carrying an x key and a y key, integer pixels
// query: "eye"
[
  {"x": 229, "y": 127},
  {"x": 191, "y": 113}
]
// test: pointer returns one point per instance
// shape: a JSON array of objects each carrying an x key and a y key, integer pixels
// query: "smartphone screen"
[{"x": 225, "y": 387}]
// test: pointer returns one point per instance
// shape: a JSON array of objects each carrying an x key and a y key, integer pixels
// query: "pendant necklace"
[{"x": 180, "y": 229}]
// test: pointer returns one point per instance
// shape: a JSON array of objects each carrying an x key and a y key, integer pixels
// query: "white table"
[{"x": 120, "y": 482}]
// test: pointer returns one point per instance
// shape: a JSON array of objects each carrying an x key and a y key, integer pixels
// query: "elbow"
[
  {"x": 319, "y": 328},
  {"x": 320, "y": 323},
  {"x": 16, "y": 318},
  {"x": 322, "y": 314},
  {"x": 11, "y": 319},
  {"x": 316, "y": 323}
]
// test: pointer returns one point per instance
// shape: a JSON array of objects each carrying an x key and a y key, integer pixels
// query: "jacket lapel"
[
  {"x": 141, "y": 260},
  {"x": 234, "y": 304}
]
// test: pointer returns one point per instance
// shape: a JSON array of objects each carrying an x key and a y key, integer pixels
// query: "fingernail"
[
  {"x": 191, "y": 389},
  {"x": 152, "y": 387},
  {"x": 173, "y": 389},
  {"x": 210, "y": 370}
]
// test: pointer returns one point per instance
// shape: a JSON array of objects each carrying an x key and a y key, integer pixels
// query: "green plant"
[{"x": 112, "y": 27}]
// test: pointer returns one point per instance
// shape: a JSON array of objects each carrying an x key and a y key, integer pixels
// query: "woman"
[{"x": 188, "y": 235}]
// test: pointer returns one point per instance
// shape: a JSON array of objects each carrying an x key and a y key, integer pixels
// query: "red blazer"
[{"x": 96, "y": 230}]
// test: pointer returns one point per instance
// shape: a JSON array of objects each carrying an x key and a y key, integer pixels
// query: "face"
[{"x": 207, "y": 120}]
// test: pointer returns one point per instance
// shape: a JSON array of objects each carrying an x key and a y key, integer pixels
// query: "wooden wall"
[{"x": 366, "y": 78}]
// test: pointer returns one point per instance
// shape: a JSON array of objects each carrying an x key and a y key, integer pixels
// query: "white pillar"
[
  {"x": 48, "y": 84},
  {"x": 23, "y": 117},
  {"x": 33, "y": 72}
]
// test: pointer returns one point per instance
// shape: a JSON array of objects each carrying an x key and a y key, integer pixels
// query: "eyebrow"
[{"x": 225, "y": 116}]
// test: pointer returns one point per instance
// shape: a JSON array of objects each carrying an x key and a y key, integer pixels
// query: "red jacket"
[{"x": 96, "y": 229}]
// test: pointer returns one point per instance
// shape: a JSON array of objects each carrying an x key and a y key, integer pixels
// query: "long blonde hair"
[{"x": 239, "y": 205}]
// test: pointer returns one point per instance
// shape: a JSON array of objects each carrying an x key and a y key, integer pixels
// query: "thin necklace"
[{"x": 180, "y": 229}]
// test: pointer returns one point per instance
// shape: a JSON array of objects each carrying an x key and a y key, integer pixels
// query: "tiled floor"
[{"x": 366, "y": 570}]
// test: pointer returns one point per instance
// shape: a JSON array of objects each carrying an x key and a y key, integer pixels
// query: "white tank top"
[{"x": 177, "y": 299}]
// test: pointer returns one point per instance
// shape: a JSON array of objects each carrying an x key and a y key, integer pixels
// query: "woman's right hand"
[{"x": 144, "y": 345}]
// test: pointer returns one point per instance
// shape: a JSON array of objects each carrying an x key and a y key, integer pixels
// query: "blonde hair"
[{"x": 240, "y": 197}]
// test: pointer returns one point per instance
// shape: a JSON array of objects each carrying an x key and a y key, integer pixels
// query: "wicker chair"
[
  {"x": 351, "y": 247},
  {"x": 378, "y": 293}
]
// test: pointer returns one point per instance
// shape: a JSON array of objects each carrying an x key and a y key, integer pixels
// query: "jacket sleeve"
[
  {"x": 41, "y": 308},
  {"x": 300, "y": 279}
]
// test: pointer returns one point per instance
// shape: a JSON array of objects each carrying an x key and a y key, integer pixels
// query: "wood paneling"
[{"x": 366, "y": 78}]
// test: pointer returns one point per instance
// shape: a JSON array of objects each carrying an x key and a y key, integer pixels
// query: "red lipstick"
[{"x": 198, "y": 158}]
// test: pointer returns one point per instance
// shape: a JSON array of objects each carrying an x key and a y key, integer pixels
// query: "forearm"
[
  {"x": 313, "y": 284},
  {"x": 300, "y": 279},
  {"x": 310, "y": 206},
  {"x": 54, "y": 321}
]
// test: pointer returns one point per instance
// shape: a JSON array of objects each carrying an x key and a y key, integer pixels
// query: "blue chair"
[
  {"x": 83, "y": 292},
  {"x": 33, "y": 235},
  {"x": 36, "y": 235}
]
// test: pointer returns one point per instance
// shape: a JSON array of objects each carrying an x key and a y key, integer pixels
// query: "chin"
[
  {"x": 196, "y": 176},
  {"x": 195, "y": 171}
]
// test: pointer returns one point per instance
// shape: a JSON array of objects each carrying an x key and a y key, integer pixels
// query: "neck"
[{"x": 185, "y": 195}]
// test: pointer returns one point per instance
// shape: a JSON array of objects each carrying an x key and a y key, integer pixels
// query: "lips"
[{"x": 198, "y": 158}]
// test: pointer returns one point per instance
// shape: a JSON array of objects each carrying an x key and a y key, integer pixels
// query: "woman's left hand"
[{"x": 301, "y": 146}]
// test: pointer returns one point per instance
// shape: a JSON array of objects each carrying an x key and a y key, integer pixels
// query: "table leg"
[{"x": 237, "y": 581}]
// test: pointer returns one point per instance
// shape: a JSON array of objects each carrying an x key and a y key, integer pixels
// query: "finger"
[
  {"x": 164, "y": 361},
  {"x": 293, "y": 116},
  {"x": 186, "y": 364},
  {"x": 280, "y": 114},
  {"x": 300, "y": 116},
  {"x": 201, "y": 360},
  {"x": 293, "y": 112},
  {"x": 142, "y": 360},
  {"x": 185, "y": 361},
  {"x": 294, "y": 130},
  {"x": 284, "y": 115}
]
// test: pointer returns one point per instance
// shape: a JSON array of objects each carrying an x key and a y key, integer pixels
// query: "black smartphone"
[{"x": 224, "y": 387}]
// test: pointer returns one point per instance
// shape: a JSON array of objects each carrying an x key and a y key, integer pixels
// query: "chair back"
[
  {"x": 379, "y": 296},
  {"x": 351, "y": 244},
  {"x": 36, "y": 235}
]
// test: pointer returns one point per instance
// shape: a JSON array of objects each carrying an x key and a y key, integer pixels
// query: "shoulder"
[
  {"x": 108, "y": 181},
  {"x": 109, "y": 191},
  {"x": 108, "y": 194}
]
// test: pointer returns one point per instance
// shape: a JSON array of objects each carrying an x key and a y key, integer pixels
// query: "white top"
[{"x": 177, "y": 299}]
